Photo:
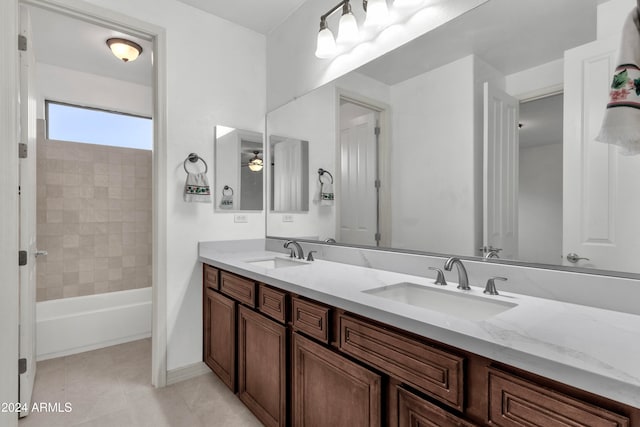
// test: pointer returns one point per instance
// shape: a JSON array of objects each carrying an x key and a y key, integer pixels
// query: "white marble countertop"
[{"x": 589, "y": 348}]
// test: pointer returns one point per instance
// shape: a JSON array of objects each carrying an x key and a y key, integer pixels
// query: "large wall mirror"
[
  {"x": 467, "y": 141},
  {"x": 239, "y": 169}
]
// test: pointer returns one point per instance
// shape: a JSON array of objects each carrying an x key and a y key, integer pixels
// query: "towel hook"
[
  {"x": 321, "y": 172},
  {"x": 193, "y": 157}
]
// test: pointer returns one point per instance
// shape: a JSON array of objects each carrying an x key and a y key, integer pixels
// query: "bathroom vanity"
[{"x": 327, "y": 343}]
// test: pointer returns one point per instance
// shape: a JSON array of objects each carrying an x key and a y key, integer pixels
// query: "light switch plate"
[
  {"x": 240, "y": 218},
  {"x": 287, "y": 218}
]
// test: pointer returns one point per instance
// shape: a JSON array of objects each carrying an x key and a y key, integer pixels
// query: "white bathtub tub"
[{"x": 73, "y": 325}]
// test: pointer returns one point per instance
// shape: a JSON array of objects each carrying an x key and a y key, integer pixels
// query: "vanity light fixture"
[
  {"x": 377, "y": 15},
  {"x": 348, "y": 27},
  {"x": 124, "y": 49},
  {"x": 406, "y": 3},
  {"x": 377, "y": 12},
  {"x": 256, "y": 163}
]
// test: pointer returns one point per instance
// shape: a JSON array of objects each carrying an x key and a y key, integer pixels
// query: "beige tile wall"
[{"x": 94, "y": 219}]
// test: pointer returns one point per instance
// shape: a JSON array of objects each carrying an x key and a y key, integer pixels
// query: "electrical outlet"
[
  {"x": 287, "y": 218},
  {"x": 240, "y": 218}
]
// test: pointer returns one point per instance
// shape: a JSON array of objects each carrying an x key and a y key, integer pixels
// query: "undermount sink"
[
  {"x": 453, "y": 303},
  {"x": 276, "y": 262}
]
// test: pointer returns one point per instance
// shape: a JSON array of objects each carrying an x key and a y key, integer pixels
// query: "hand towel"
[
  {"x": 326, "y": 194},
  {"x": 621, "y": 124},
  {"x": 196, "y": 188}
]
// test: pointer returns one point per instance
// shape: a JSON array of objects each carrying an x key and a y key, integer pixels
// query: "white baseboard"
[{"x": 187, "y": 372}]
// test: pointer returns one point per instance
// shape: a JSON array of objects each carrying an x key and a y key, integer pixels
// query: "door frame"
[
  {"x": 105, "y": 17},
  {"x": 9, "y": 290},
  {"x": 383, "y": 158}
]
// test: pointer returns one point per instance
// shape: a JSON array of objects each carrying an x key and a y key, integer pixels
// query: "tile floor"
[{"x": 111, "y": 387}]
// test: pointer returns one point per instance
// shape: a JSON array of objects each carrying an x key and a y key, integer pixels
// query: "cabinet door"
[
  {"x": 220, "y": 335},
  {"x": 262, "y": 374},
  {"x": 329, "y": 390},
  {"x": 413, "y": 411}
]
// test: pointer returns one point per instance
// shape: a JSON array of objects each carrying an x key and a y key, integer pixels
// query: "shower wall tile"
[{"x": 94, "y": 219}]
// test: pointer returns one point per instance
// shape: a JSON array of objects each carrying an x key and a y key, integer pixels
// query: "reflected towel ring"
[
  {"x": 227, "y": 188},
  {"x": 193, "y": 157},
  {"x": 321, "y": 172}
]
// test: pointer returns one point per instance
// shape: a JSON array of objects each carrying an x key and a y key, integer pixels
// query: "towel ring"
[
  {"x": 227, "y": 188},
  {"x": 193, "y": 157},
  {"x": 321, "y": 172}
]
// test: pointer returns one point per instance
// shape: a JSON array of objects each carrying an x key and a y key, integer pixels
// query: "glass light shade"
[
  {"x": 377, "y": 13},
  {"x": 255, "y": 164},
  {"x": 123, "y": 49},
  {"x": 326, "y": 44},
  {"x": 348, "y": 29}
]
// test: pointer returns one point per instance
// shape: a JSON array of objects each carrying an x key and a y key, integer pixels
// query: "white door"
[
  {"x": 500, "y": 201},
  {"x": 358, "y": 196},
  {"x": 27, "y": 203},
  {"x": 600, "y": 203}
]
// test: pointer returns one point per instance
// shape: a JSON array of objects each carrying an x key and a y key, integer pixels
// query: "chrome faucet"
[
  {"x": 463, "y": 279},
  {"x": 297, "y": 249}
]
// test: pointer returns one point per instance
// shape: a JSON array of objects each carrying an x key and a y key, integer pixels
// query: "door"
[
  {"x": 500, "y": 184},
  {"x": 358, "y": 196},
  {"x": 27, "y": 206},
  {"x": 600, "y": 207}
]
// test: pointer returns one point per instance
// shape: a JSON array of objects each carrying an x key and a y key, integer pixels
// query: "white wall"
[
  {"x": 611, "y": 16},
  {"x": 293, "y": 69},
  {"x": 55, "y": 83},
  {"x": 216, "y": 75},
  {"x": 432, "y": 156},
  {"x": 314, "y": 118},
  {"x": 540, "y": 204}
]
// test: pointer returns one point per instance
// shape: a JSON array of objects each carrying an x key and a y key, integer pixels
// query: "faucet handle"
[
  {"x": 310, "y": 256},
  {"x": 440, "y": 280},
  {"x": 490, "y": 289}
]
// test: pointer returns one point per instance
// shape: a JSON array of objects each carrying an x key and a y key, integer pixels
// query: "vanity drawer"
[
  {"x": 517, "y": 402},
  {"x": 310, "y": 318},
  {"x": 432, "y": 371},
  {"x": 210, "y": 276},
  {"x": 238, "y": 288},
  {"x": 273, "y": 303}
]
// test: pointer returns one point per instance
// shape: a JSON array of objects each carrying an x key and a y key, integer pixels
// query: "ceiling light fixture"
[
  {"x": 124, "y": 49},
  {"x": 377, "y": 15},
  {"x": 256, "y": 163}
]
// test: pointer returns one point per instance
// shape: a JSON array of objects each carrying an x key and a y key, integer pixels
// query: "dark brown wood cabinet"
[
  {"x": 220, "y": 336},
  {"x": 413, "y": 411},
  {"x": 297, "y": 362},
  {"x": 238, "y": 288},
  {"x": 262, "y": 367},
  {"x": 310, "y": 318},
  {"x": 433, "y": 371},
  {"x": 329, "y": 390},
  {"x": 515, "y": 402}
]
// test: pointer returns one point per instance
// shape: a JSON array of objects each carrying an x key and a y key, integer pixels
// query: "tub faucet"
[
  {"x": 297, "y": 249},
  {"x": 463, "y": 279}
]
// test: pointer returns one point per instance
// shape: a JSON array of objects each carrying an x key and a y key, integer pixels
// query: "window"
[{"x": 92, "y": 126}]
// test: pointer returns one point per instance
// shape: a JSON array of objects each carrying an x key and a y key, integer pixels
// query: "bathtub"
[{"x": 73, "y": 325}]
